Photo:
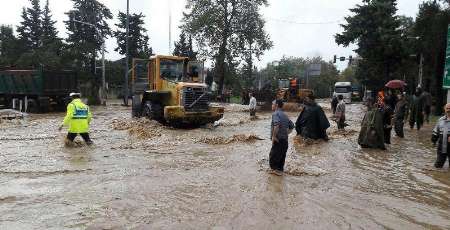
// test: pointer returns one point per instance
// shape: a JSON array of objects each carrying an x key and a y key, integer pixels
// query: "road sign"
[
  {"x": 314, "y": 69},
  {"x": 446, "y": 81}
]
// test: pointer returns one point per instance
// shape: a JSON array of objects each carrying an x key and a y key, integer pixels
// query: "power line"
[{"x": 304, "y": 23}]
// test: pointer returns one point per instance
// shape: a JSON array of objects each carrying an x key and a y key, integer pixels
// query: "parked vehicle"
[
  {"x": 291, "y": 90},
  {"x": 170, "y": 89},
  {"x": 344, "y": 89},
  {"x": 36, "y": 90},
  {"x": 356, "y": 93}
]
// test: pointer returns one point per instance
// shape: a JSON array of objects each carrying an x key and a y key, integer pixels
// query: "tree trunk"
[
  {"x": 250, "y": 64},
  {"x": 220, "y": 65},
  {"x": 220, "y": 61},
  {"x": 96, "y": 83}
]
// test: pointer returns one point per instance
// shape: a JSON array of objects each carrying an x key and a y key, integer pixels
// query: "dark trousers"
[
  {"x": 85, "y": 136},
  {"x": 442, "y": 157},
  {"x": 278, "y": 155},
  {"x": 427, "y": 111},
  {"x": 341, "y": 124},
  {"x": 398, "y": 127},
  {"x": 387, "y": 135},
  {"x": 252, "y": 112},
  {"x": 418, "y": 121}
]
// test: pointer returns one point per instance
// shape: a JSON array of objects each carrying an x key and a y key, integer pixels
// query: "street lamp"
[
  {"x": 103, "y": 91},
  {"x": 420, "y": 65},
  {"x": 127, "y": 58}
]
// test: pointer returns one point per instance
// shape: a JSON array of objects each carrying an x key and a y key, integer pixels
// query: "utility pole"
[
  {"x": 127, "y": 58},
  {"x": 170, "y": 29},
  {"x": 421, "y": 71},
  {"x": 103, "y": 90},
  {"x": 420, "y": 83}
]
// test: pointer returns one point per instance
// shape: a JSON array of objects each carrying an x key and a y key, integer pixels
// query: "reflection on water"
[{"x": 177, "y": 180}]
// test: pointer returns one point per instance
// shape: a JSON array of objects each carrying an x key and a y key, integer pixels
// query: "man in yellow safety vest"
[{"x": 78, "y": 118}]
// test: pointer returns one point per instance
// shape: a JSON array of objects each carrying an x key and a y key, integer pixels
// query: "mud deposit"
[{"x": 141, "y": 175}]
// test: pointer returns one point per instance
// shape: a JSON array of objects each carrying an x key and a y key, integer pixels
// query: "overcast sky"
[{"x": 292, "y": 24}]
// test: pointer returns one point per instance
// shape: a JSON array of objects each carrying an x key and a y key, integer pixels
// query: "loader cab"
[
  {"x": 171, "y": 88},
  {"x": 283, "y": 83}
]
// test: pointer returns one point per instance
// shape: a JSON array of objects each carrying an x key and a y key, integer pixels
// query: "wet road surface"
[{"x": 214, "y": 178}]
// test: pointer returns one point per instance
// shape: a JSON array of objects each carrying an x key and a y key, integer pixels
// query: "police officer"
[
  {"x": 78, "y": 118},
  {"x": 441, "y": 136}
]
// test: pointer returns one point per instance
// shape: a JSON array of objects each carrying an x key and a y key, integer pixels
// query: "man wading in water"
[
  {"x": 441, "y": 136},
  {"x": 78, "y": 119},
  {"x": 280, "y": 128}
]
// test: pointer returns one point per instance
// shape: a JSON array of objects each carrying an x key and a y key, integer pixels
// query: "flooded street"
[{"x": 140, "y": 175}]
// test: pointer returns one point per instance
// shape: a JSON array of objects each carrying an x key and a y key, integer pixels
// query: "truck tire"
[
  {"x": 153, "y": 111},
  {"x": 32, "y": 106},
  {"x": 136, "y": 109},
  {"x": 61, "y": 104},
  {"x": 44, "y": 104}
]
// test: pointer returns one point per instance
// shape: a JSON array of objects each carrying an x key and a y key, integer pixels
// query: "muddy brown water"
[{"x": 177, "y": 180}]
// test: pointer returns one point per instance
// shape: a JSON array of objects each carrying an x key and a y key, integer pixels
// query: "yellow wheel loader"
[{"x": 170, "y": 89}]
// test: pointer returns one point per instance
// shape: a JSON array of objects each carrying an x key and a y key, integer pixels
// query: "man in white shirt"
[
  {"x": 340, "y": 113},
  {"x": 252, "y": 105}
]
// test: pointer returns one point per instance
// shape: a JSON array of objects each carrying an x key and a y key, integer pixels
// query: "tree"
[
  {"x": 295, "y": 67},
  {"x": 30, "y": 29},
  {"x": 431, "y": 27},
  {"x": 217, "y": 27},
  {"x": 49, "y": 32},
  {"x": 86, "y": 40},
  {"x": 348, "y": 75},
  {"x": 184, "y": 48},
  {"x": 253, "y": 40},
  {"x": 375, "y": 29},
  {"x": 138, "y": 39},
  {"x": 8, "y": 46}
]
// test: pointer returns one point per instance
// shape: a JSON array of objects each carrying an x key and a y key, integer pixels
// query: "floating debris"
[
  {"x": 304, "y": 171},
  {"x": 142, "y": 128},
  {"x": 232, "y": 139},
  {"x": 233, "y": 121},
  {"x": 303, "y": 142},
  {"x": 342, "y": 133},
  {"x": 10, "y": 114}
]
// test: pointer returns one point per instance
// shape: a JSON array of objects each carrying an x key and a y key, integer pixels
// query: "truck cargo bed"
[{"x": 36, "y": 82}]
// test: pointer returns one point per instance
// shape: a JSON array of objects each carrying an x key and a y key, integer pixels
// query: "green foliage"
[
  {"x": 85, "y": 40},
  {"x": 375, "y": 28},
  {"x": 138, "y": 39},
  {"x": 30, "y": 29},
  {"x": 431, "y": 26},
  {"x": 49, "y": 32},
  {"x": 349, "y": 74},
  {"x": 218, "y": 28},
  {"x": 38, "y": 44},
  {"x": 184, "y": 48},
  {"x": 114, "y": 73},
  {"x": 8, "y": 46},
  {"x": 296, "y": 67}
]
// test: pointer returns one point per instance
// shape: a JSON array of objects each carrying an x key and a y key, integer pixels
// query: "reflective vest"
[
  {"x": 80, "y": 112},
  {"x": 78, "y": 117}
]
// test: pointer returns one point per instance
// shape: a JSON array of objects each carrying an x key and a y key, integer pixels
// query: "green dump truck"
[{"x": 36, "y": 90}]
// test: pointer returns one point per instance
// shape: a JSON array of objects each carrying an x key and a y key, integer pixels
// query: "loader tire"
[
  {"x": 136, "y": 107},
  {"x": 153, "y": 111}
]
